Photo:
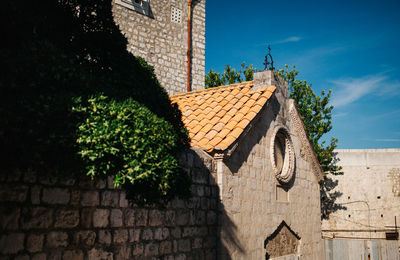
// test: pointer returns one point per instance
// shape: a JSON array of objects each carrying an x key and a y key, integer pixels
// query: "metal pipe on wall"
[{"x": 189, "y": 42}]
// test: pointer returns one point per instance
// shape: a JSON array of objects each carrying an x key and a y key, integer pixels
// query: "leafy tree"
[
  {"x": 55, "y": 52},
  {"x": 316, "y": 114}
]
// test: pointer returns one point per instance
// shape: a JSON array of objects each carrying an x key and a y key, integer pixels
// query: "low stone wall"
[{"x": 66, "y": 218}]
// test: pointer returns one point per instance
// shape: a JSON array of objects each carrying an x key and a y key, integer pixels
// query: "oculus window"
[{"x": 282, "y": 155}]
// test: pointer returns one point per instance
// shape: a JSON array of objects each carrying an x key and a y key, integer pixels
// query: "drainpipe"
[{"x": 189, "y": 26}]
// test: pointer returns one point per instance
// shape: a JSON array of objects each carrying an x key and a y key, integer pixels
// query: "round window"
[{"x": 282, "y": 155}]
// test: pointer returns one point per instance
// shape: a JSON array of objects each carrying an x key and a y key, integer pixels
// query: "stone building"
[
  {"x": 370, "y": 192},
  {"x": 255, "y": 192},
  {"x": 266, "y": 170},
  {"x": 157, "y": 31}
]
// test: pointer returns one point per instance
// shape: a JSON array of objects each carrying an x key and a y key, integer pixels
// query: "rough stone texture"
[
  {"x": 56, "y": 196},
  {"x": 96, "y": 254},
  {"x": 73, "y": 255},
  {"x": 116, "y": 218},
  {"x": 66, "y": 218},
  {"x": 85, "y": 238},
  {"x": 35, "y": 243},
  {"x": 90, "y": 198},
  {"x": 163, "y": 42},
  {"x": 100, "y": 217},
  {"x": 370, "y": 188},
  {"x": 12, "y": 243},
  {"x": 56, "y": 239}
]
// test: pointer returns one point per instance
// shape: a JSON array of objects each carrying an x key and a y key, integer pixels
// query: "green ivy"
[{"x": 127, "y": 140}]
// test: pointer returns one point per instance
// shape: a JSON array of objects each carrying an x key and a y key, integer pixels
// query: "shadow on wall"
[
  {"x": 225, "y": 229},
  {"x": 56, "y": 217},
  {"x": 329, "y": 196},
  {"x": 244, "y": 158}
]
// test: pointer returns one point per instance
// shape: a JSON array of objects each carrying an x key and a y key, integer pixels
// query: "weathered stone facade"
[
  {"x": 256, "y": 202},
  {"x": 161, "y": 39},
  {"x": 66, "y": 218},
  {"x": 370, "y": 191}
]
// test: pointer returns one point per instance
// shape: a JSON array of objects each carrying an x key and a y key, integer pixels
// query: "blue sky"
[{"x": 351, "y": 47}]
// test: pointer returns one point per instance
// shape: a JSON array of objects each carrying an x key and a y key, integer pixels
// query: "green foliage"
[
  {"x": 317, "y": 117},
  {"x": 45, "y": 68},
  {"x": 230, "y": 76},
  {"x": 127, "y": 140}
]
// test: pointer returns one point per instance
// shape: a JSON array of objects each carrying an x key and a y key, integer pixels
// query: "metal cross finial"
[{"x": 266, "y": 63}]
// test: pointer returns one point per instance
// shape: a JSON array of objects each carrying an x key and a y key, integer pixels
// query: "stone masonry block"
[
  {"x": 110, "y": 198},
  {"x": 75, "y": 196},
  {"x": 56, "y": 239},
  {"x": 184, "y": 245},
  {"x": 211, "y": 217},
  {"x": 141, "y": 217},
  {"x": 12, "y": 243},
  {"x": 104, "y": 237},
  {"x": 129, "y": 217},
  {"x": 19, "y": 257},
  {"x": 165, "y": 247},
  {"x": 66, "y": 218},
  {"x": 176, "y": 232},
  {"x": 169, "y": 218},
  {"x": 40, "y": 256},
  {"x": 90, "y": 198},
  {"x": 36, "y": 218},
  {"x": 134, "y": 235},
  {"x": 123, "y": 202},
  {"x": 138, "y": 249},
  {"x": 161, "y": 233},
  {"x": 9, "y": 217},
  {"x": 86, "y": 217},
  {"x": 123, "y": 253},
  {"x": 151, "y": 249},
  {"x": 73, "y": 255},
  {"x": 35, "y": 243},
  {"x": 96, "y": 254},
  {"x": 147, "y": 234},
  {"x": 156, "y": 217},
  {"x": 182, "y": 217},
  {"x": 116, "y": 218},
  {"x": 13, "y": 192},
  {"x": 56, "y": 196},
  {"x": 85, "y": 238},
  {"x": 120, "y": 236},
  {"x": 100, "y": 217},
  {"x": 35, "y": 195}
]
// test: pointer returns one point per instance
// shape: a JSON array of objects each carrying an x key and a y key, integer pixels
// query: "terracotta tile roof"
[{"x": 216, "y": 117}]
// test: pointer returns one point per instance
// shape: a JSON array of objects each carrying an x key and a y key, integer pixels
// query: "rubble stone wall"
[
  {"x": 50, "y": 217},
  {"x": 162, "y": 41}
]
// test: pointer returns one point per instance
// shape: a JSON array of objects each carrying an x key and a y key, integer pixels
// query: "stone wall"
[
  {"x": 50, "y": 217},
  {"x": 370, "y": 191},
  {"x": 163, "y": 42},
  {"x": 256, "y": 203}
]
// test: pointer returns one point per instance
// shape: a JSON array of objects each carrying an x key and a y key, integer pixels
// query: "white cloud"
[
  {"x": 387, "y": 140},
  {"x": 289, "y": 39},
  {"x": 351, "y": 89}
]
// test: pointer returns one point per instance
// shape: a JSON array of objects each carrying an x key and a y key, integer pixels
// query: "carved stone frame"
[{"x": 284, "y": 175}]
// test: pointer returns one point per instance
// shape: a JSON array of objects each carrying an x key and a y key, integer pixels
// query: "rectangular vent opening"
[{"x": 176, "y": 15}]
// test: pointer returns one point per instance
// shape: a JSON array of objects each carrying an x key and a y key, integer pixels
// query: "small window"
[{"x": 140, "y": 6}]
